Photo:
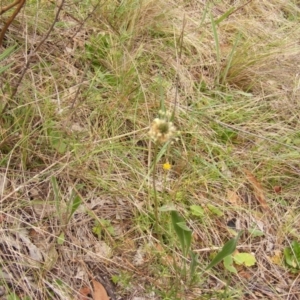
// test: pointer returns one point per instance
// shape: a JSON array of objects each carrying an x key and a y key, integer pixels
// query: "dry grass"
[{"x": 77, "y": 129}]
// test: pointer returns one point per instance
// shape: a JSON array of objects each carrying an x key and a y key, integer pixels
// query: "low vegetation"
[{"x": 149, "y": 149}]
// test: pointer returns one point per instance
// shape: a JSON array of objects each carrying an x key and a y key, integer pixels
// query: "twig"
[
  {"x": 84, "y": 20},
  {"x": 240, "y": 7},
  {"x": 31, "y": 55},
  {"x": 154, "y": 188},
  {"x": 178, "y": 63},
  {"x": 12, "y": 17},
  {"x": 8, "y": 7},
  {"x": 80, "y": 84}
]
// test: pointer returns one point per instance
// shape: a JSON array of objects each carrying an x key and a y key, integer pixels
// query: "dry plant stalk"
[{"x": 19, "y": 4}]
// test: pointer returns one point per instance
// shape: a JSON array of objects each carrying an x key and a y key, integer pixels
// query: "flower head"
[
  {"x": 166, "y": 166},
  {"x": 162, "y": 130}
]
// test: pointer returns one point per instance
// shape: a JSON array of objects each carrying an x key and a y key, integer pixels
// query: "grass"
[{"x": 76, "y": 161}]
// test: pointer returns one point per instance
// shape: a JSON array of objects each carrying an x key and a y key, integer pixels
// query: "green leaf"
[
  {"x": 12, "y": 296},
  {"x": 224, "y": 16},
  {"x": 246, "y": 259},
  {"x": 292, "y": 256},
  {"x": 57, "y": 140},
  {"x": 55, "y": 188},
  {"x": 7, "y": 52},
  {"x": 183, "y": 232},
  {"x": 97, "y": 230},
  {"x": 255, "y": 232},
  {"x": 110, "y": 230},
  {"x": 227, "y": 249},
  {"x": 177, "y": 219},
  {"x": 4, "y": 68},
  {"x": 228, "y": 264},
  {"x": 215, "y": 210},
  {"x": 167, "y": 207},
  {"x": 197, "y": 210},
  {"x": 57, "y": 196},
  {"x": 194, "y": 263},
  {"x": 61, "y": 238},
  {"x": 183, "y": 226},
  {"x": 76, "y": 203}
]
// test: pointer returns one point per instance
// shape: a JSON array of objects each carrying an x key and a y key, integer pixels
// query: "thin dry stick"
[
  {"x": 80, "y": 84},
  {"x": 8, "y": 7},
  {"x": 85, "y": 19},
  {"x": 12, "y": 17},
  {"x": 154, "y": 189},
  {"x": 33, "y": 52},
  {"x": 240, "y": 7},
  {"x": 234, "y": 11},
  {"x": 178, "y": 63}
]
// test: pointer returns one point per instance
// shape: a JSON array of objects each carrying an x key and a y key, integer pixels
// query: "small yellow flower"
[{"x": 166, "y": 166}]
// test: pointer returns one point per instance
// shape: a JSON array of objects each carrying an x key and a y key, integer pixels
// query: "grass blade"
[
  {"x": 227, "y": 249},
  {"x": 224, "y": 76},
  {"x": 75, "y": 204},
  {"x": 224, "y": 16}
]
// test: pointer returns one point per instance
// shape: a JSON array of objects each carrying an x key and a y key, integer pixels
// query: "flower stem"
[{"x": 154, "y": 188}]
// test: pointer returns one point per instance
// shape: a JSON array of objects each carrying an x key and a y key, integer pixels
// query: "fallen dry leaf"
[
  {"x": 233, "y": 197},
  {"x": 258, "y": 190},
  {"x": 277, "y": 189},
  {"x": 99, "y": 291},
  {"x": 84, "y": 293},
  {"x": 34, "y": 252},
  {"x": 245, "y": 274},
  {"x": 276, "y": 258},
  {"x": 2, "y": 218}
]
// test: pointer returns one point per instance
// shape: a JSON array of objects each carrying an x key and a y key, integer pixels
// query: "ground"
[{"x": 149, "y": 149}]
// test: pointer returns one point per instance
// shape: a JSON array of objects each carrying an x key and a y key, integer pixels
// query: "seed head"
[{"x": 162, "y": 130}]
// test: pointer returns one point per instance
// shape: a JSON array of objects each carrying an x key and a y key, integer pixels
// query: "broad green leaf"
[
  {"x": 183, "y": 232},
  {"x": 57, "y": 139},
  {"x": 292, "y": 256},
  {"x": 228, "y": 264},
  {"x": 177, "y": 219},
  {"x": 61, "y": 238},
  {"x": 183, "y": 226},
  {"x": 97, "y": 230},
  {"x": 110, "y": 229},
  {"x": 227, "y": 249},
  {"x": 197, "y": 210},
  {"x": 60, "y": 147},
  {"x": 246, "y": 259},
  {"x": 296, "y": 249},
  {"x": 215, "y": 210},
  {"x": 255, "y": 232}
]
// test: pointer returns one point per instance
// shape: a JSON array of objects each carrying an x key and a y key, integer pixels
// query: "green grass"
[{"x": 77, "y": 164}]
